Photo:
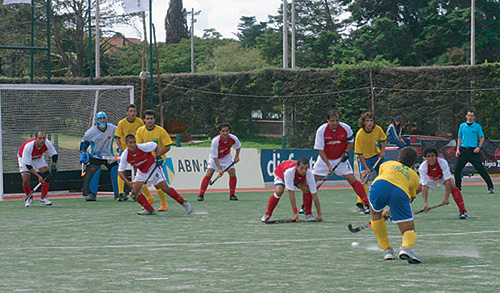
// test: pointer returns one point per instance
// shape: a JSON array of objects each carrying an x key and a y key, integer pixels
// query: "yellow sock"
[
  {"x": 163, "y": 196},
  {"x": 147, "y": 193},
  {"x": 409, "y": 239},
  {"x": 121, "y": 185},
  {"x": 360, "y": 200},
  {"x": 380, "y": 230}
]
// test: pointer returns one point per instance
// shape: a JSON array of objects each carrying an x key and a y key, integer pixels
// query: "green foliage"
[{"x": 232, "y": 58}]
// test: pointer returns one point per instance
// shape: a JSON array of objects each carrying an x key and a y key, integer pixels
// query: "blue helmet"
[{"x": 100, "y": 115}]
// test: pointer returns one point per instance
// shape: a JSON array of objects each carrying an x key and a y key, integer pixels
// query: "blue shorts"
[
  {"x": 370, "y": 162},
  {"x": 384, "y": 193}
]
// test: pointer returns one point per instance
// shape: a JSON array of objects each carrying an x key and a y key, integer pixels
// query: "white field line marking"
[
  {"x": 262, "y": 242},
  {"x": 474, "y": 266},
  {"x": 150, "y": 279}
]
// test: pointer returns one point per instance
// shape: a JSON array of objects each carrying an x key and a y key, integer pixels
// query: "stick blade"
[
  {"x": 279, "y": 221},
  {"x": 357, "y": 229}
]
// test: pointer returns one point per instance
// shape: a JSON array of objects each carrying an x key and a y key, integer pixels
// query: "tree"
[
  {"x": 249, "y": 31},
  {"x": 176, "y": 23},
  {"x": 211, "y": 33}
]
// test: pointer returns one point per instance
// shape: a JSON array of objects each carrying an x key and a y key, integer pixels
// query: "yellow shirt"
[
  {"x": 366, "y": 143},
  {"x": 126, "y": 127},
  {"x": 400, "y": 175},
  {"x": 158, "y": 135}
]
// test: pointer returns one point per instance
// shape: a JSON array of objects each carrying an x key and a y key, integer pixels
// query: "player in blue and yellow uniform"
[
  {"x": 395, "y": 185},
  {"x": 157, "y": 134}
]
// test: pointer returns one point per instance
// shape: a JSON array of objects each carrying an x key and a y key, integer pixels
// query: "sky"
[{"x": 222, "y": 15}]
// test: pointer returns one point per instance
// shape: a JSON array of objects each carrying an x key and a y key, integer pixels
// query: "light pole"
[
  {"x": 193, "y": 20},
  {"x": 472, "y": 34},
  {"x": 293, "y": 34}
]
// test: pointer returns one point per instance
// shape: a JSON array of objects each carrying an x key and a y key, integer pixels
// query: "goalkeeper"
[{"x": 100, "y": 140}]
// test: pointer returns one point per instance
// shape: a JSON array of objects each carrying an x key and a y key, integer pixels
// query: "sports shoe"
[
  {"x": 90, "y": 197},
  {"x": 491, "y": 191},
  {"x": 201, "y": 198},
  {"x": 463, "y": 215},
  {"x": 310, "y": 217},
  {"x": 361, "y": 208},
  {"x": 187, "y": 206},
  {"x": 29, "y": 202},
  {"x": 265, "y": 218},
  {"x": 302, "y": 209},
  {"x": 146, "y": 212},
  {"x": 163, "y": 208},
  {"x": 45, "y": 202},
  {"x": 408, "y": 255},
  {"x": 125, "y": 197},
  {"x": 120, "y": 197},
  {"x": 367, "y": 210},
  {"x": 233, "y": 197},
  {"x": 389, "y": 254}
]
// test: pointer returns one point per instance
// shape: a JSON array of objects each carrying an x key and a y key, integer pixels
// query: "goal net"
[{"x": 63, "y": 112}]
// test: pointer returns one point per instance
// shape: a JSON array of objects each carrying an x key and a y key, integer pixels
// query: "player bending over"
[
  {"x": 292, "y": 175},
  {"x": 394, "y": 186},
  {"x": 31, "y": 160},
  {"x": 140, "y": 156},
  {"x": 435, "y": 170}
]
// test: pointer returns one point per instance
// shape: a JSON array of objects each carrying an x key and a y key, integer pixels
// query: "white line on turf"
[
  {"x": 474, "y": 266},
  {"x": 150, "y": 279},
  {"x": 263, "y": 242}
]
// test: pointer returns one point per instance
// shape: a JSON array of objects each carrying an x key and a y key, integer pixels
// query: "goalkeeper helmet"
[{"x": 101, "y": 115}]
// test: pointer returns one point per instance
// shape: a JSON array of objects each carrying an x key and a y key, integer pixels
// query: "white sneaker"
[
  {"x": 187, "y": 206},
  {"x": 408, "y": 255},
  {"x": 45, "y": 202},
  {"x": 265, "y": 218},
  {"x": 310, "y": 217},
  {"x": 389, "y": 254},
  {"x": 29, "y": 202}
]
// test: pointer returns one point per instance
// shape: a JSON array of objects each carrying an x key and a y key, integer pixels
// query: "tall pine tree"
[{"x": 176, "y": 23}]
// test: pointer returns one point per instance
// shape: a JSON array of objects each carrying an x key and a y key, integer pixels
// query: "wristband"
[{"x": 295, "y": 210}]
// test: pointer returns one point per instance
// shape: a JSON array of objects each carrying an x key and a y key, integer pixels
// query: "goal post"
[{"x": 63, "y": 112}]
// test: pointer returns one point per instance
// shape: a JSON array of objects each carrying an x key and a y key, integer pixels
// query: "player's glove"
[
  {"x": 345, "y": 156},
  {"x": 159, "y": 162},
  {"x": 53, "y": 169},
  {"x": 84, "y": 158}
]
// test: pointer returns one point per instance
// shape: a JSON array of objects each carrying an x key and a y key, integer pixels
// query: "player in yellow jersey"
[
  {"x": 394, "y": 186},
  {"x": 157, "y": 134},
  {"x": 126, "y": 126},
  {"x": 366, "y": 147}
]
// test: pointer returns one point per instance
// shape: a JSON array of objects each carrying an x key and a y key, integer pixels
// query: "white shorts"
[
  {"x": 37, "y": 164},
  {"x": 156, "y": 178},
  {"x": 279, "y": 181},
  {"x": 224, "y": 163},
  {"x": 432, "y": 184},
  {"x": 321, "y": 168}
]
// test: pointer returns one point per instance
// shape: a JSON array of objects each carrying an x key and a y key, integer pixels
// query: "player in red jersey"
[
  {"x": 292, "y": 175},
  {"x": 334, "y": 140},
  {"x": 436, "y": 170},
  {"x": 220, "y": 159},
  {"x": 31, "y": 160},
  {"x": 140, "y": 156}
]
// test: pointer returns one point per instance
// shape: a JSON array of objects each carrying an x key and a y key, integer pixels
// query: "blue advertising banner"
[{"x": 270, "y": 158}]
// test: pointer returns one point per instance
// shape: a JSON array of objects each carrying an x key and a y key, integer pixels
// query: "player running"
[
  {"x": 140, "y": 156},
  {"x": 100, "y": 139},
  {"x": 292, "y": 175},
  {"x": 31, "y": 161},
  {"x": 220, "y": 158},
  {"x": 394, "y": 186},
  {"x": 334, "y": 140},
  {"x": 435, "y": 170},
  {"x": 366, "y": 147}
]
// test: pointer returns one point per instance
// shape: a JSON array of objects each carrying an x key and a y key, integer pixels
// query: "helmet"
[{"x": 100, "y": 115}]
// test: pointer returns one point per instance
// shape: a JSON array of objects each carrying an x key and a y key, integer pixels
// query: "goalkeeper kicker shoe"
[
  {"x": 29, "y": 202},
  {"x": 188, "y": 207},
  {"x": 389, "y": 254},
  {"x": 408, "y": 255},
  {"x": 45, "y": 202},
  {"x": 146, "y": 212}
]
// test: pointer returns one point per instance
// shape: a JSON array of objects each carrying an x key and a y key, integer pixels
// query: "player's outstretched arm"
[{"x": 291, "y": 194}]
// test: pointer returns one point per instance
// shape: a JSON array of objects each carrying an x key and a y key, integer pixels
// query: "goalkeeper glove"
[
  {"x": 53, "y": 169},
  {"x": 84, "y": 158}
]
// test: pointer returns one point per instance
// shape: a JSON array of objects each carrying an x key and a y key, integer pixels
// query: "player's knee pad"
[
  {"x": 45, "y": 175},
  {"x": 91, "y": 180}
]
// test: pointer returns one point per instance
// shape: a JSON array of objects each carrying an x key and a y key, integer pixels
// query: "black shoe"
[
  {"x": 491, "y": 191},
  {"x": 90, "y": 197},
  {"x": 367, "y": 210},
  {"x": 302, "y": 209},
  {"x": 125, "y": 197},
  {"x": 233, "y": 197},
  {"x": 120, "y": 197},
  {"x": 361, "y": 208},
  {"x": 201, "y": 198},
  {"x": 463, "y": 215}
]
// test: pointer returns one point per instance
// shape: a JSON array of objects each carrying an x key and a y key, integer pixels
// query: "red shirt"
[
  {"x": 333, "y": 142},
  {"x": 37, "y": 153},
  {"x": 142, "y": 159},
  {"x": 284, "y": 166},
  {"x": 434, "y": 172},
  {"x": 221, "y": 148}
]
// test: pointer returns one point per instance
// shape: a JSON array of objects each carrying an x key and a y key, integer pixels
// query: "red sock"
[
  {"x": 457, "y": 196},
  {"x": 360, "y": 191},
  {"x": 175, "y": 195},
  {"x": 45, "y": 189},
  {"x": 27, "y": 189},
  {"x": 204, "y": 185},
  {"x": 308, "y": 201},
  {"x": 273, "y": 202},
  {"x": 144, "y": 202},
  {"x": 232, "y": 185}
]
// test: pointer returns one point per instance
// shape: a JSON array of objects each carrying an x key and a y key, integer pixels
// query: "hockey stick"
[
  {"x": 369, "y": 224},
  {"x": 220, "y": 175},
  {"x": 145, "y": 183},
  {"x": 83, "y": 170},
  {"x": 30, "y": 195},
  {"x": 343, "y": 159},
  {"x": 371, "y": 170},
  {"x": 287, "y": 221}
]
